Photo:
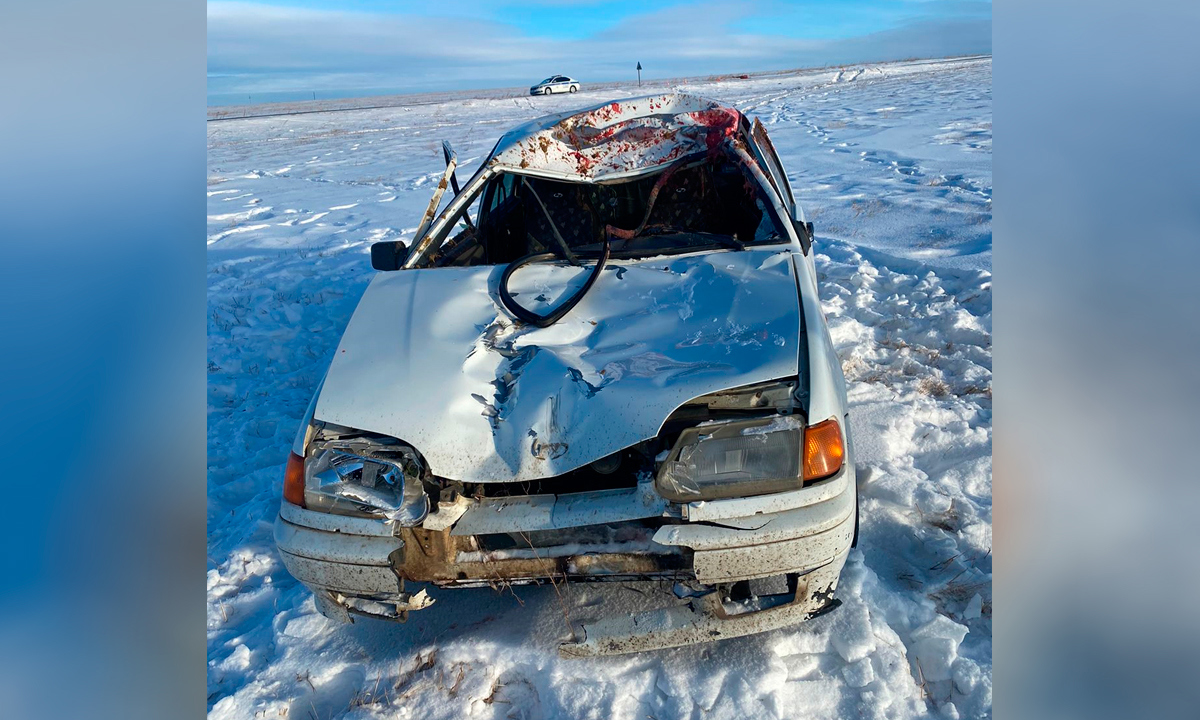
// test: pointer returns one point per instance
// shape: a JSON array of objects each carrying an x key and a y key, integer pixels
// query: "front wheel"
[{"x": 574, "y": 88}]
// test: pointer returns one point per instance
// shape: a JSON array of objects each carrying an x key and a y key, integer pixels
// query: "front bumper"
[
  {"x": 708, "y": 618},
  {"x": 355, "y": 556},
  {"x": 359, "y": 565}
]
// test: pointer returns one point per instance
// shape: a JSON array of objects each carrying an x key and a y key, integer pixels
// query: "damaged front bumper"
[
  {"x": 710, "y": 617},
  {"x": 359, "y": 566}
]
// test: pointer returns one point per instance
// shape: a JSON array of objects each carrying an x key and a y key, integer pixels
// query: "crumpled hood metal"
[{"x": 431, "y": 358}]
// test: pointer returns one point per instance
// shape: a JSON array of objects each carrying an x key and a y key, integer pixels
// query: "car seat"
[{"x": 566, "y": 206}]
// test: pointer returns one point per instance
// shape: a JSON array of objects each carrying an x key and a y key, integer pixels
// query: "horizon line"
[{"x": 217, "y": 114}]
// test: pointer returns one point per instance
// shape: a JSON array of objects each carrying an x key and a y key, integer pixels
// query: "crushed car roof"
[{"x": 616, "y": 139}]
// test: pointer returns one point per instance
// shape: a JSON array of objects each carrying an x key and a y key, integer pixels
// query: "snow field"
[{"x": 893, "y": 165}]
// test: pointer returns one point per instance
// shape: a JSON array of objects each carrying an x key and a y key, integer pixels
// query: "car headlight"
[
  {"x": 742, "y": 458},
  {"x": 361, "y": 477}
]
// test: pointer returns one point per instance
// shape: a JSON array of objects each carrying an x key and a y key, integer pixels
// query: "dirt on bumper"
[
  {"x": 360, "y": 566},
  {"x": 708, "y": 618}
]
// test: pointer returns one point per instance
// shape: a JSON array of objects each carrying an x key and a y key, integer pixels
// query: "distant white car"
[
  {"x": 554, "y": 84},
  {"x": 605, "y": 360}
]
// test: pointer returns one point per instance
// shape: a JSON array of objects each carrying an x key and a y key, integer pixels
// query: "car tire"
[{"x": 574, "y": 88}]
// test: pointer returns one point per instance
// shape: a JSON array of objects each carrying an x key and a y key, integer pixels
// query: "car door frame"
[{"x": 764, "y": 152}]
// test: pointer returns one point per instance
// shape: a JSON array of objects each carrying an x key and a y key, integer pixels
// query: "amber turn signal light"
[
  {"x": 293, "y": 480},
  {"x": 823, "y": 450}
]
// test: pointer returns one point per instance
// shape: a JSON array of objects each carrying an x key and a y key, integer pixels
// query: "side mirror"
[
  {"x": 388, "y": 255},
  {"x": 804, "y": 231},
  {"x": 451, "y": 162}
]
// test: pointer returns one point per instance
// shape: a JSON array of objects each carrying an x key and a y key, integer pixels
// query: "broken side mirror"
[
  {"x": 804, "y": 231},
  {"x": 451, "y": 162},
  {"x": 388, "y": 255}
]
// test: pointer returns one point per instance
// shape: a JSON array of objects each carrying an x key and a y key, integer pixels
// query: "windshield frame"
[{"x": 439, "y": 231}]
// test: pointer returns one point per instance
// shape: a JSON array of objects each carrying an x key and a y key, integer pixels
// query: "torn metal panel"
[
  {"x": 502, "y": 515},
  {"x": 704, "y": 619},
  {"x": 763, "y": 545},
  {"x": 340, "y": 607},
  {"x": 430, "y": 358},
  {"x": 761, "y": 529},
  {"x": 616, "y": 139},
  {"x": 327, "y": 605},
  {"x": 447, "y": 514},
  {"x": 547, "y": 512},
  {"x": 396, "y": 609}
]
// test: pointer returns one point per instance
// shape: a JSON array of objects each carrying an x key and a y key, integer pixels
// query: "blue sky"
[{"x": 283, "y": 49}]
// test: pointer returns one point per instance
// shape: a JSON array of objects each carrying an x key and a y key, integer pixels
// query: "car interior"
[{"x": 690, "y": 205}]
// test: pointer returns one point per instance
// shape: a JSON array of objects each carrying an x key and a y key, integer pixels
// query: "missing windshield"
[{"x": 695, "y": 204}]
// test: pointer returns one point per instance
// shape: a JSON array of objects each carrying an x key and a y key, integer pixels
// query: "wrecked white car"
[{"x": 605, "y": 360}]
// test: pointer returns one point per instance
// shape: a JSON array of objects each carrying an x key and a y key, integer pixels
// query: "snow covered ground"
[{"x": 892, "y": 163}]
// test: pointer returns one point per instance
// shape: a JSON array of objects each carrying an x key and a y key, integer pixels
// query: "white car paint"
[{"x": 555, "y": 84}]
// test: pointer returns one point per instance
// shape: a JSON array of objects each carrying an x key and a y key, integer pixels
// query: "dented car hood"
[{"x": 431, "y": 357}]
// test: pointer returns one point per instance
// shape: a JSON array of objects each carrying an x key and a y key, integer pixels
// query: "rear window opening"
[{"x": 695, "y": 204}]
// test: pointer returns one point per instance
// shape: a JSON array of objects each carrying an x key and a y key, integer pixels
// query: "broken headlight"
[
  {"x": 366, "y": 478},
  {"x": 733, "y": 459}
]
